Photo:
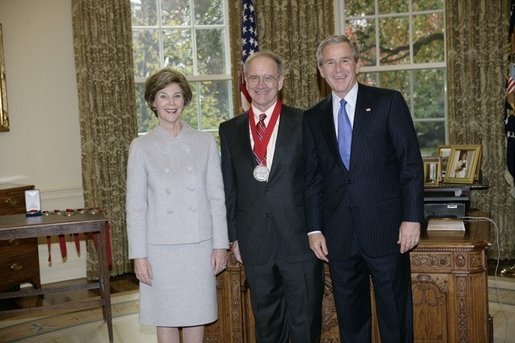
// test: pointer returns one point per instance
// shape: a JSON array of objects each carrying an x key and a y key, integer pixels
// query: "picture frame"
[
  {"x": 444, "y": 152},
  {"x": 463, "y": 164},
  {"x": 4, "y": 117},
  {"x": 432, "y": 171}
]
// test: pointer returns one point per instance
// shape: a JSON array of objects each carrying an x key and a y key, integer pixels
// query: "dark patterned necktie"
[{"x": 260, "y": 129}]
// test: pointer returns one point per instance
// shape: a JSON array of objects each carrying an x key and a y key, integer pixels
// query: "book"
[{"x": 445, "y": 224}]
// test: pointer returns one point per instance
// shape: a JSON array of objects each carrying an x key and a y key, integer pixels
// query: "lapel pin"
[{"x": 368, "y": 109}]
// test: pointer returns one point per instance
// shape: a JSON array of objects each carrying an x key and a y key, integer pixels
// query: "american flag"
[{"x": 249, "y": 44}]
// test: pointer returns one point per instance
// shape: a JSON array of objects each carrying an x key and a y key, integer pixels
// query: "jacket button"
[{"x": 349, "y": 181}]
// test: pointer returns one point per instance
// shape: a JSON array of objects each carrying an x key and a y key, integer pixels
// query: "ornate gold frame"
[
  {"x": 4, "y": 117},
  {"x": 473, "y": 153}
]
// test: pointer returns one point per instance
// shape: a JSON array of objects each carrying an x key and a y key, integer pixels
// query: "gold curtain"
[
  {"x": 293, "y": 29},
  {"x": 477, "y": 62},
  {"x": 103, "y": 58}
]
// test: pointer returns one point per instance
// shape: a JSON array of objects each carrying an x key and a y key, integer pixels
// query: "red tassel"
[
  {"x": 76, "y": 238},
  {"x": 62, "y": 245},
  {"x": 95, "y": 239},
  {"x": 49, "y": 243}
]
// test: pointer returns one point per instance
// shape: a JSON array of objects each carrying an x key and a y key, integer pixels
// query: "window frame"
[
  {"x": 196, "y": 78},
  {"x": 340, "y": 18}
]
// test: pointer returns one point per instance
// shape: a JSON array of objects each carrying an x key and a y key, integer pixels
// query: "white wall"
[{"x": 42, "y": 147}]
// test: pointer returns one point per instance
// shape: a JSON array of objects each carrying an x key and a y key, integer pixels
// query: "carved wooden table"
[
  {"x": 449, "y": 283},
  {"x": 18, "y": 226}
]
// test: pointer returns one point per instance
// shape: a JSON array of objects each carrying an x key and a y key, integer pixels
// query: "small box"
[{"x": 32, "y": 203}]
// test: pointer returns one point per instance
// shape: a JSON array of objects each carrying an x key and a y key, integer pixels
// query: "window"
[
  {"x": 191, "y": 36},
  {"x": 402, "y": 45}
]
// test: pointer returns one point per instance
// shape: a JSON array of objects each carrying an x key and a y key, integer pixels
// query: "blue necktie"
[{"x": 344, "y": 134}]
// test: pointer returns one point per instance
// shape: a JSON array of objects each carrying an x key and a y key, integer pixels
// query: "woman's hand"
[
  {"x": 143, "y": 270},
  {"x": 218, "y": 260}
]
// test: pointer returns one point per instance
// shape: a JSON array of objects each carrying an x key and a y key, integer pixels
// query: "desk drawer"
[
  {"x": 12, "y": 200},
  {"x": 19, "y": 263}
]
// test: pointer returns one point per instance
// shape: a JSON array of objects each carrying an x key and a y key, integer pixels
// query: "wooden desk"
[
  {"x": 18, "y": 226},
  {"x": 19, "y": 262},
  {"x": 449, "y": 284}
]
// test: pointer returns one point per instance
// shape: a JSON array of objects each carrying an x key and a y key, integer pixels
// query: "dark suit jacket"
[
  {"x": 265, "y": 216},
  {"x": 384, "y": 185}
]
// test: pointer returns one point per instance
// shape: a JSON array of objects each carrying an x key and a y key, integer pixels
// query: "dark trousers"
[
  {"x": 287, "y": 300},
  {"x": 391, "y": 278}
]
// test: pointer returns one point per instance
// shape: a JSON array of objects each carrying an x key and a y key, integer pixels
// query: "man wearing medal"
[{"x": 263, "y": 172}]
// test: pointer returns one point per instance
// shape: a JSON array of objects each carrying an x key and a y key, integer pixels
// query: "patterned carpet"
[
  {"x": 63, "y": 324},
  {"x": 88, "y": 326}
]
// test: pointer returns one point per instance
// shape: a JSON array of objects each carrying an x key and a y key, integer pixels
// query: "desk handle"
[
  {"x": 11, "y": 202},
  {"x": 16, "y": 267},
  {"x": 13, "y": 242}
]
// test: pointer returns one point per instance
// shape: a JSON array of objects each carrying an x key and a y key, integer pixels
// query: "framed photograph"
[
  {"x": 444, "y": 152},
  {"x": 432, "y": 171},
  {"x": 463, "y": 164}
]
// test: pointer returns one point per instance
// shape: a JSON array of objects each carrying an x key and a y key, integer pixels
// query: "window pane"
[
  {"x": 177, "y": 48},
  {"x": 428, "y": 35},
  {"x": 145, "y": 44},
  {"x": 215, "y": 103},
  {"x": 429, "y": 93},
  {"x": 144, "y": 12},
  {"x": 210, "y": 51},
  {"x": 359, "y": 7},
  {"x": 393, "y": 6},
  {"x": 399, "y": 80},
  {"x": 423, "y": 5},
  {"x": 147, "y": 120},
  {"x": 175, "y": 13},
  {"x": 190, "y": 112},
  {"x": 430, "y": 135},
  {"x": 363, "y": 32},
  {"x": 394, "y": 41},
  {"x": 209, "y": 12}
]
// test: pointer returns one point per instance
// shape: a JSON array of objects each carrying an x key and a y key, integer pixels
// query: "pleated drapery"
[
  {"x": 102, "y": 36},
  {"x": 477, "y": 63}
]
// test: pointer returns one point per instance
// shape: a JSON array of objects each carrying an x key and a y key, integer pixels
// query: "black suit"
[
  {"x": 267, "y": 219},
  {"x": 360, "y": 210}
]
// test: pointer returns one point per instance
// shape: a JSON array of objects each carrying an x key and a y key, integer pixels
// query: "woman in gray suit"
[{"x": 176, "y": 218}]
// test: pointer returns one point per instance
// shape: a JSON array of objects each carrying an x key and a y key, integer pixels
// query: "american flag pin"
[{"x": 368, "y": 109}]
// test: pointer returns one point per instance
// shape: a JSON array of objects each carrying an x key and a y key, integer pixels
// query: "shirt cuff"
[{"x": 313, "y": 232}]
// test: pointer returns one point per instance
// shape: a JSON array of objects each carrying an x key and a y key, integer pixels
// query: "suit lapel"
[
  {"x": 243, "y": 133},
  {"x": 327, "y": 126},
  {"x": 285, "y": 126},
  {"x": 362, "y": 117}
]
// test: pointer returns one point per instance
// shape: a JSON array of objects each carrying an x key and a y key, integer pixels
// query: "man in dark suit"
[
  {"x": 366, "y": 198},
  {"x": 263, "y": 173}
]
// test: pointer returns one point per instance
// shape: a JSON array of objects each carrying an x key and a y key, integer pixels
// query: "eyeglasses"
[{"x": 268, "y": 80}]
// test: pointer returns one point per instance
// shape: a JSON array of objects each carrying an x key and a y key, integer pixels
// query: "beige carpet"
[
  {"x": 89, "y": 327},
  {"x": 81, "y": 326}
]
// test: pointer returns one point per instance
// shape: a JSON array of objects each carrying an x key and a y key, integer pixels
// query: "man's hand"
[
  {"x": 235, "y": 249},
  {"x": 409, "y": 236},
  {"x": 143, "y": 270},
  {"x": 317, "y": 244}
]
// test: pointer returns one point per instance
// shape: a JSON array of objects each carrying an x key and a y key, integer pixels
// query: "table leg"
[{"x": 104, "y": 283}]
